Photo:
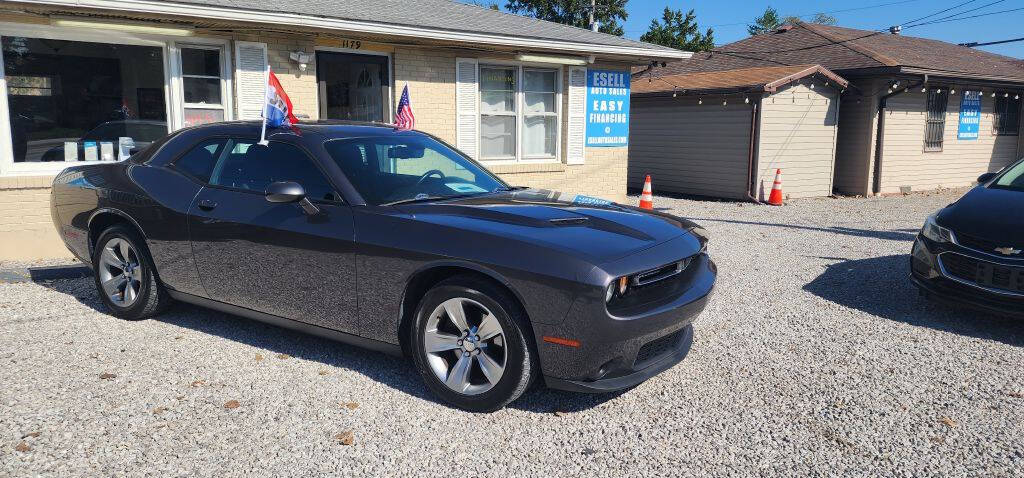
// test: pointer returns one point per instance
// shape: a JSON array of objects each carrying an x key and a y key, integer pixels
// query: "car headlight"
[
  {"x": 617, "y": 288},
  {"x": 935, "y": 232}
]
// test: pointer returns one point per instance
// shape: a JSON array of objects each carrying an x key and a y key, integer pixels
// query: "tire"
[
  {"x": 511, "y": 348},
  {"x": 148, "y": 296}
]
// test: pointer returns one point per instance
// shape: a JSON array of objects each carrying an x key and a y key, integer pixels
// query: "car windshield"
[
  {"x": 1012, "y": 179},
  {"x": 394, "y": 169}
]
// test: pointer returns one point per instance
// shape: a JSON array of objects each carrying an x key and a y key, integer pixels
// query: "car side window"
[
  {"x": 199, "y": 160},
  {"x": 249, "y": 166}
]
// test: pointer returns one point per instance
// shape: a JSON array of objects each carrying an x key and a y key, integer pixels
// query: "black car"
[
  {"x": 397, "y": 242},
  {"x": 972, "y": 251}
]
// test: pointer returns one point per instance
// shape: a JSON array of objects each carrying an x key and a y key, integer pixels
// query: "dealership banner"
[
  {"x": 607, "y": 108},
  {"x": 970, "y": 115}
]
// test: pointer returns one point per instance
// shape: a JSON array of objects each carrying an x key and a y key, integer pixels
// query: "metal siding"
[
  {"x": 905, "y": 163},
  {"x": 689, "y": 148},
  {"x": 855, "y": 146},
  {"x": 798, "y": 135}
]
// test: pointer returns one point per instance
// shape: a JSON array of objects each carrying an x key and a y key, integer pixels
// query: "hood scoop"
[{"x": 568, "y": 221}]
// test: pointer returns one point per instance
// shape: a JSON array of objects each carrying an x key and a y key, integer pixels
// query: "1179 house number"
[{"x": 352, "y": 44}]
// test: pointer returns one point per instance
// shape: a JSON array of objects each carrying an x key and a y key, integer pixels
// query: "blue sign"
[
  {"x": 607, "y": 108},
  {"x": 970, "y": 115}
]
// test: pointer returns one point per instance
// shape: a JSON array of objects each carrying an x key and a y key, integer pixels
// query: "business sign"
[
  {"x": 970, "y": 115},
  {"x": 607, "y": 108}
]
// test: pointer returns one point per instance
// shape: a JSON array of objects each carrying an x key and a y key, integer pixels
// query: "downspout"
[
  {"x": 876, "y": 187},
  {"x": 755, "y": 142}
]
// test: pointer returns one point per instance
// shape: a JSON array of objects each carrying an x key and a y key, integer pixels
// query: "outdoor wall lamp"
[{"x": 302, "y": 58}]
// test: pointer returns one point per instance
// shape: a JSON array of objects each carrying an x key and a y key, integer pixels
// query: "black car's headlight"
[{"x": 934, "y": 231}]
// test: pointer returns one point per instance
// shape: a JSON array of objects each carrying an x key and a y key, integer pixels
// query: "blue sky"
[{"x": 729, "y": 18}]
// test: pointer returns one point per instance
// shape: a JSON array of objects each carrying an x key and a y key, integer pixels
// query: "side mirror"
[
  {"x": 984, "y": 178},
  {"x": 285, "y": 191},
  {"x": 290, "y": 191}
]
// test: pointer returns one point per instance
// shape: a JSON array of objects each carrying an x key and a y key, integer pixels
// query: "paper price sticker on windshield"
[{"x": 607, "y": 108}]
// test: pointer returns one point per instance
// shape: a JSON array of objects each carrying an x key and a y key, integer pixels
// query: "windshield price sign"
[
  {"x": 607, "y": 108},
  {"x": 970, "y": 115}
]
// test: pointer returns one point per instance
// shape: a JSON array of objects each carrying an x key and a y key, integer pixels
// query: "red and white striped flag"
[{"x": 404, "y": 119}]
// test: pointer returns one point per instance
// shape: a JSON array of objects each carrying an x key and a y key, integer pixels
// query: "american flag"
[{"x": 404, "y": 119}]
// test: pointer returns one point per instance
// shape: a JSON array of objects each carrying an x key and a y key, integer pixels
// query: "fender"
[
  {"x": 454, "y": 263},
  {"x": 117, "y": 212}
]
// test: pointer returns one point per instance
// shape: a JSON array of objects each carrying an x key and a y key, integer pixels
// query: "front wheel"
[
  {"x": 125, "y": 276},
  {"x": 470, "y": 344}
]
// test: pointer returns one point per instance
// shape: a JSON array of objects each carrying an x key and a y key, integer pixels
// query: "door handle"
[{"x": 206, "y": 204}]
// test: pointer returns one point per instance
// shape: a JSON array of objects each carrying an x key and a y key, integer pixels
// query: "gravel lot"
[{"x": 815, "y": 357}]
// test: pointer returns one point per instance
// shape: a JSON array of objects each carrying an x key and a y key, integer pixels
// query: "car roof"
[{"x": 329, "y": 129}]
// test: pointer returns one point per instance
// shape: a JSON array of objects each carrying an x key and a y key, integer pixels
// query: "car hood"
[
  {"x": 987, "y": 213},
  {"x": 596, "y": 230}
]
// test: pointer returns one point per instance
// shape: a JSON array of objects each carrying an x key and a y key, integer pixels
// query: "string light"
[
  {"x": 895, "y": 84},
  {"x": 746, "y": 100},
  {"x": 993, "y": 94},
  {"x": 674, "y": 94},
  {"x": 939, "y": 91},
  {"x": 952, "y": 92},
  {"x": 1006, "y": 95},
  {"x": 1016, "y": 97},
  {"x": 724, "y": 101},
  {"x": 924, "y": 90},
  {"x": 700, "y": 101}
]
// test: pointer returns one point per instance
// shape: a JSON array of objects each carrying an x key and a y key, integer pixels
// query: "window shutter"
[
  {"x": 250, "y": 78},
  {"x": 467, "y": 106},
  {"x": 577, "y": 118}
]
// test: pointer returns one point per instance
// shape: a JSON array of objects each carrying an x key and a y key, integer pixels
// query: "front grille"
[
  {"x": 657, "y": 349},
  {"x": 983, "y": 273},
  {"x": 983, "y": 245}
]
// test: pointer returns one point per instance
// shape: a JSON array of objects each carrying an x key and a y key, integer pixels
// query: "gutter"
[
  {"x": 876, "y": 187},
  {"x": 755, "y": 142},
  {"x": 208, "y": 13}
]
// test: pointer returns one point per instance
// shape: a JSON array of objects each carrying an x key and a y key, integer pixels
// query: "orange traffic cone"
[
  {"x": 775, "y": 198},
  {"x": 646, "y": 199}
]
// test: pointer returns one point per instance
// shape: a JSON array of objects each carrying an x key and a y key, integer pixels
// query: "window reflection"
[{"x": 82, "y": 101}]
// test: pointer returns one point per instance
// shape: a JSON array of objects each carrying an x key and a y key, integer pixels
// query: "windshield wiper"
[
  {"x": 511, "y": 188},
  {"x": 427, "y": 198}
]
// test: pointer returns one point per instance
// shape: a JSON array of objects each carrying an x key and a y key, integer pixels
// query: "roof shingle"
[
  {"x": 743, "y": 79},
  {"x": 842, "y": 49}
]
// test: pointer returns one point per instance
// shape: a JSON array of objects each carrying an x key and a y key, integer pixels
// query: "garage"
[{"x": 724, "y": 134}]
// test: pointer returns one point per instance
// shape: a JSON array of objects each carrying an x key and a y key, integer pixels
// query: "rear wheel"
[
  {"x": 470, "y": 344},
  {"x": 125, "y": 277}
]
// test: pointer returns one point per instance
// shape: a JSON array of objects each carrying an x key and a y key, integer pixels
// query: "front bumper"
[
  {"x": 618, "y": 352},
  {"x": 940, "y": 284}
]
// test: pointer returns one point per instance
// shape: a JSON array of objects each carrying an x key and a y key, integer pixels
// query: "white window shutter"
[
  {"x": 577, "y": 117},
  {"x": 467, "y": 106},
  {"x": 250, "y": 79}
]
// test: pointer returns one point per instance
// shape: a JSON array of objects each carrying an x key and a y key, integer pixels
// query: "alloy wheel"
[
  {"x": 120, "y": 272},
  {"x": 465, "y": 346}
]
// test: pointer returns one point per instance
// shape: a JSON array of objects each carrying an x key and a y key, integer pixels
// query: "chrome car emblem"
[{"x": 1008, "y": 251}]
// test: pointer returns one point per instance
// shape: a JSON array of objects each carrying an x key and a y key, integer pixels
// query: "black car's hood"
[
  {"x": 987, "y": 213},
  {"x": 597, "y": 230}
]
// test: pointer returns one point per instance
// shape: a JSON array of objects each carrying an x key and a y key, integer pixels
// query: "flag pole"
[{"x": 266, "y": 90}]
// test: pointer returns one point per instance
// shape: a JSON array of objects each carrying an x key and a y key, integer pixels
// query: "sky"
[{"x": 730, "y": 17}]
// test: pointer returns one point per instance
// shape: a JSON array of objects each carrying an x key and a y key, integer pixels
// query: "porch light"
[
  {"x": 561, "y": 60},
  {"x": 123, "y": 27}
]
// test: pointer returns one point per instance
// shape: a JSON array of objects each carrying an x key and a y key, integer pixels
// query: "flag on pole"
[
  {"x": 277, "y": 111},
  {"x": 404, "y": 119}
]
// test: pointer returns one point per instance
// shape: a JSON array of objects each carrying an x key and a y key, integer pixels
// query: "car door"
[{"x": 275, "y": 258}]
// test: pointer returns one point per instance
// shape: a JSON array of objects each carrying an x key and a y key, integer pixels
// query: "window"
[
  {"x": 389, "y": 169},
  {"x": 540, "y": 116},
  {"x": 199, "y": 161},
  {"x": 201, "y": 75},
  {"x": 1013, "y": 178},
  {"x": 935, "y": 124},
  {"x": 519, "y": 108},
  {"x": 498, "y": 113},
  {"x": 1006, "y": 115},
  {"x": 248, "y": 166},
  {"x": 82, "y": 101}
]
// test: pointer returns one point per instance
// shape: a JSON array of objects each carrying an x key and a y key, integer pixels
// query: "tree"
[
  {"x": 574, "y": 12},
  {"x": 768, "y": 22},
  {"x": 489, "y": 4},
  {"x": 679, "y": 31},
  {"x": 819, "y": 18}
]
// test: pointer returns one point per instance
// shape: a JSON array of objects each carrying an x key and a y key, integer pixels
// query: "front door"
[
  {"x": 274, "y": 257},
  {"x": 353, "y": 87}
]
